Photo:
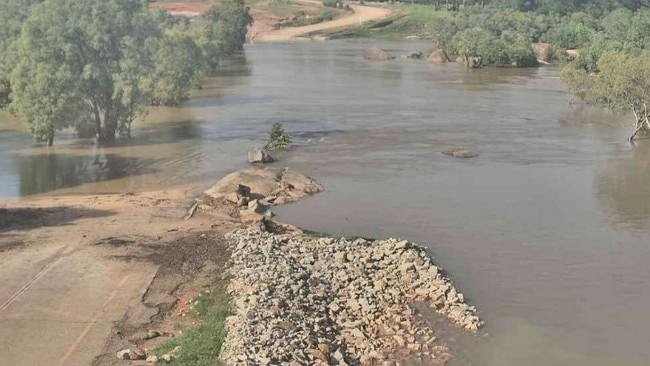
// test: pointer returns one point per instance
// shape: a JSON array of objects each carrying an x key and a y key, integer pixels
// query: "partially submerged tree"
[
  {"x": 103, "y": 62},
  {"x": 442, "y": 32},
  {"x": 104, "y": 48},
  {"x": 46, "y": 98},
  {"x": 474, "y": 42},
  {"x": 623, "y": 82},
  {"x": 577, "y": 81},
  {"x": 221, "y": 31}
]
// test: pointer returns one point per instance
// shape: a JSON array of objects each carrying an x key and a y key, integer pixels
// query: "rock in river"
[
  {"x": 377, "y": 54},
  {"x": 460, "y": 152},
  {"x": 259, "y": 156},
  {"x": 437, "y": 57}
]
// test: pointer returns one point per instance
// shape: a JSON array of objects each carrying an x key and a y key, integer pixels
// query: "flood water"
[{"x": 547, "y": 232}]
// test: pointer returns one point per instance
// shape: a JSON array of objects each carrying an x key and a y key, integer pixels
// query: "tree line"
[
  {"x": 608, "y": 41},
  {"x": 500, "y": 32},
  {"x": 96, "y": 65}
]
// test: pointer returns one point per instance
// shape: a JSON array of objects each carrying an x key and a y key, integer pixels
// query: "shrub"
[
  {"x": 327, "y": 15},
  {"x": 278, "y": 139}
]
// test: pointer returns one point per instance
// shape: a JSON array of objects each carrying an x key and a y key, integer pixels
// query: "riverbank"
[
  {"x": 356, "y": 293},
  {"x": 83, "y": 274},
  {"x": 360, "y": 15}
]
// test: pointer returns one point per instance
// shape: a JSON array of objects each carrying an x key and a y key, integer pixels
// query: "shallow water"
[{"x": 547, "y": 231}]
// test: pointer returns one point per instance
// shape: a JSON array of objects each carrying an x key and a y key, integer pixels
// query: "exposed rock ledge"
[
  {"x": 249, "y": 193},
  {"x": 325, "y": 301}
]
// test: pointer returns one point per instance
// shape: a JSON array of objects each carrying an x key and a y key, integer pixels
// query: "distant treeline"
[
  {"x": 596, "y": 8},
  {"x": 608, "y": 41}
]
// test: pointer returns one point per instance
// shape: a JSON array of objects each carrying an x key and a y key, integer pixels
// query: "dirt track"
[
  {"x": 361, "y": 15},
  {"x": 74, "y": 267}
]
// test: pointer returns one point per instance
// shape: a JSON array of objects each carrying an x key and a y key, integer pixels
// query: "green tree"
[
  {"x": 221, "y": 31},
  {"x": 442, "y": 32},
  {"x": 577, "y": 80},
  {"x": 574, "y": 32},
  {"x": 12, "y": 15},
  {"x": 109, "y": 58},
  {"x": 46, "y": 102},
  {"x": 474, "y": 42},
  {"x": 624, "y": 82},
  {"x": 278, "y": 139}
]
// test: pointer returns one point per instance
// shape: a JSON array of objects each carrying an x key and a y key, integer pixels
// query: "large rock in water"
[
  {"x": 377, "y": 54},
  {"x": 471, "y": 62},
  {"x": 438, "y": 57},
  {"x": 459, "y": 152},
  {"x": 543, "y": 52},
  {"x": 474, "y": 62},
  {"x": 571, "y": 54},
  {"x": 269, "y": 186},
  {"x": 415, "y": 55},
  {"x": 259, "y": 156}
]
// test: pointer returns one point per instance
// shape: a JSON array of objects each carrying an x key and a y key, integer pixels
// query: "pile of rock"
[
  {"x": 325, "y": 301},
  {"x": 259, "y": 156},
  {"x": 460, "y": 152},
  {"x": 252, "y": 191}
]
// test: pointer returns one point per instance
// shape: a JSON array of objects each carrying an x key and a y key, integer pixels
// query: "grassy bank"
[
  {"x": 201, "y": 345},
  {"x": 410, "y": 20}
]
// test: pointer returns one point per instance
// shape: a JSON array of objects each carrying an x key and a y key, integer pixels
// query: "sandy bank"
[{"x": 361, "y": 15}]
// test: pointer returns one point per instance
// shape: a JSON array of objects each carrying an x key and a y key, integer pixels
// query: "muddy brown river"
[{"x": 547, "y": 232}]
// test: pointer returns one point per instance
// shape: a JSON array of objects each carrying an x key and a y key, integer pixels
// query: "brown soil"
[
  {"x": 269, "y": 17},
  {"x": 190, "y": 265},
  {"x": 361, "y": 14},
  {"x": 82, "y": 246}
]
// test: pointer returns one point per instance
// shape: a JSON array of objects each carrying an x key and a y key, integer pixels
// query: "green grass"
[
  {"x": 415, "y": 22},
  {"x": 200, "y": 346},
  {"x": 425, "y": 13}
]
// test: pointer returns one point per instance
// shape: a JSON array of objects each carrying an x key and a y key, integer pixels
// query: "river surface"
[{"x": 547, "y": 232}]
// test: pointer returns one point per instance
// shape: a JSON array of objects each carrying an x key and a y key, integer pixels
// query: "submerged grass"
[{"x": 200, "y": 346}]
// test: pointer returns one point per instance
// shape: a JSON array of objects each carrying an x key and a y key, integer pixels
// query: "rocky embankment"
[{"x": 323, "y": 301}]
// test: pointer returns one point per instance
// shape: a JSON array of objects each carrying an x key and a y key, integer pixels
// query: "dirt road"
[
  {"x": 73, "y": 267},
  {"x": 361, "y": 15}
]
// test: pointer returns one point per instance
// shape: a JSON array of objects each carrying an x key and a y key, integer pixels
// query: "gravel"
[{"x": 325, "y": 301}]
